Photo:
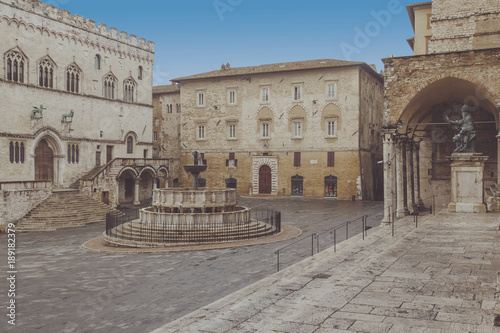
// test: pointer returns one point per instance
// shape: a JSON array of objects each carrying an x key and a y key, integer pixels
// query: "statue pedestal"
[{"x": 467, "y": 186}]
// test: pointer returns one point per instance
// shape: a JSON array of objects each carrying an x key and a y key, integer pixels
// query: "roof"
[
  {"x": 168, "y": 89},
  {"x": 411, "y": 11},
  {"x": 280, "y": 67}
]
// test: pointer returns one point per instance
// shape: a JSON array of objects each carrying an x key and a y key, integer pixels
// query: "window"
[
  {"x": 155, "y": 136},
  {"x": 297, "y": 93},
  {"x": 265, "y": 130},
  {"x": 178, "y": 108},
  {"x": 139, "y": 73},
  {"x": 332, "y": 90},
  {"x": 264, "y": 95},
  {"x": 200, "y": 99},
  {"x": 130, "y": 145},
  {"x": 73, "y": 75},
  {"x": 15, "y": 66},
  {"x": 331, "y": 159},
  {"x": 155, "y": 151},
  {"x": 429, "y": 20},
  {"x": 16, "y": 152},
  {"x": 46, "y": 73},
  {"x": 97, "y": 62},
  {"x": 109, "y": 86},
  {"x": 129, "y": 90},
  {"x": 232, "y": 97},
  {"x": 332, "y": 128},
  {"x": 232, "y": 131},
  {"x": 73, "y": 155},
  {"x": 232, "y": 161},
  {"x": 297, "y": 129},
  {"x": 296, "y": 159},
  {"x": 201, "y": 132}
]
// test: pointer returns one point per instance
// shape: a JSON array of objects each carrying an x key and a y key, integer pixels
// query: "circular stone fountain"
[{"x": 191, "y": 217}]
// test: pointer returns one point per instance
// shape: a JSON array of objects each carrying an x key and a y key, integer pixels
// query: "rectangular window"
[
  {"x": 297, "y": 129},
  {"x": 155, "y": 151},
  {"x": 264, "y": 95},
  {"x": 155, "y": 136},
  {"x": 265, "y": 130},
  {"x": 200, "y": 99},
  {"x": 331, "y": 159},
  {"x": 331, "y": 129},
  {"x": 232, "y": 97},
  {"x": 332, "y": 90},
  {"x": 297, "y": 93},
  {"x": 296, "y": 159},
  {"x": 232, "y": 131},
  {"x": 201, "y": 132}
]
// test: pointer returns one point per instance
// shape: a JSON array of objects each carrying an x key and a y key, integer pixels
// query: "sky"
[{"x": 197, "y": 36}]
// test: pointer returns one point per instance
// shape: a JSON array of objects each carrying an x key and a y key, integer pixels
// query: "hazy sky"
[{"x": 196, "y": 36}]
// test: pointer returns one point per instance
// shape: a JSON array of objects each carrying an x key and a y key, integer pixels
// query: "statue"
[
  {"x": 38, "y": 110},
  {"x": 67, "y": 118},
  {"x": 465, "y": 140},
  {"x": 197, "y": 158}
]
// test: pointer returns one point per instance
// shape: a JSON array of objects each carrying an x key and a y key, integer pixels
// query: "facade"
[
  {"x": 461, "y": 68},
  {"x": 308, "y": 128},
  {"x": 75, "y": 96},
  {"x": 420, "y": 17}
]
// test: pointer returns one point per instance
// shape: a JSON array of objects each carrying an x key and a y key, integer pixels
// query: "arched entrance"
[
  {"x": 44, "y": 162},
  {"x": 297, "y": 186},
  {"x": 265, "y": 180}
]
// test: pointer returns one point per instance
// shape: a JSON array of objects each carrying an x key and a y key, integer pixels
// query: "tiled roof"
[
  {"x": 171, "y": 88},
  {"x": 272, "y": 68}
]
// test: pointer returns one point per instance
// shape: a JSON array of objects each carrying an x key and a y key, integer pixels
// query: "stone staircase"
[
  {"x": 493, "y": 198},
  {"x": 65, "y": 208}
]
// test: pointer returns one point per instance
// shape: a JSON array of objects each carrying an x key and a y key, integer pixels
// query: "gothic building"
[
  {"x": 309, "y": 128},
  {"x": 456, "y": 62},
  {"x": 75, "y": 97}
]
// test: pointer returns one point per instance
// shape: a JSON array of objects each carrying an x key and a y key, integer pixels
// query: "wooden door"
[
  {"x": 44, "y": 162},
  {"x": 265, "y": 180},
  {"x": 109, "y": 153}
]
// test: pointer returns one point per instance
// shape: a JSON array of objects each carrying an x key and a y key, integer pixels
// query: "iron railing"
[{"x": 127, "y": 227}]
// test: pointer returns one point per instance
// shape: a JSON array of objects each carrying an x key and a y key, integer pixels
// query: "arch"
[
  {"x": 265, "y": 116},
  {"x": 148, "y": 169},
  {"x": 331, "y": 112},
  {"x": 163, "y": 172},
  {"x": 447, "y": 88},
  {"x": 126, "y": 169},
  {"x": 297, "y": 114},
  {"x": 52, "y": 140}
]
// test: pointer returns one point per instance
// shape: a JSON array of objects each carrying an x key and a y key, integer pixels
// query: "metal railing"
[
  {"x": 316, "y": 238},
  {"x": 127, "y": 227}
]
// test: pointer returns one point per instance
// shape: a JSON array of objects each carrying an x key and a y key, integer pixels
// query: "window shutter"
[
  {"x": 227, "y": 163},
  {"x": 331, "y": 158},
  {"x": 235, "y": 163},
  {"x": 231, "y": 156},
  {"x": 296, "y": 159}
]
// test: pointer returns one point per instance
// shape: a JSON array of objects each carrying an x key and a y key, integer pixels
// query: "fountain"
[{"x": 183, "y": 216}]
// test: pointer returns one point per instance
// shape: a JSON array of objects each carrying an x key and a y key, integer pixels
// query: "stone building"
[
  {"x": 462, "y": 67},
  {"x": 76, "y": 104},
  {"x": 308, "y": 128},
  {"x": 166, "y": 126}
]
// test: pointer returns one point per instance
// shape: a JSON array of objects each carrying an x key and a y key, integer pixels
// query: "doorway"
[
  {"x": 109, "y": 153},
  {"x": 265, "y": 180},
  {"x": 297, "y": 186},
  {"x": 44, "y": 162}
]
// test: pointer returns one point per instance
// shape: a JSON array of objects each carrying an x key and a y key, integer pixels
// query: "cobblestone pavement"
[
  {"x": 441, "y": 277},
  {"x": 61, "y": 287}
]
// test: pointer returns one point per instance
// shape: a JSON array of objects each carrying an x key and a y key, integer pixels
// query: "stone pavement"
[{"x": 439, "y": 277}]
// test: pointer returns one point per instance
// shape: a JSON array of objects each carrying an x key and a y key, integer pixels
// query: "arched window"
[
  {"x": 73, "y": 78},
  {"x": 15, "y": 63},
  {"x": 97, "y": 62},
  {"x": 73, "y": 153},
  {"x": 139, "y": 73},
  {"x": 109, "y": 86},
  {"x": 16, "y": 152},
  {"x": 130, "y": 145},
  {"x": 129, "y": 90},
  {"x": 46, "y": 73}
]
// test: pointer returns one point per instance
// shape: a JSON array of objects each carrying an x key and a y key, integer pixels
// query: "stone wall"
[
  {"x": 18, "y": 199},
  {"x": 459, "y": 25}
]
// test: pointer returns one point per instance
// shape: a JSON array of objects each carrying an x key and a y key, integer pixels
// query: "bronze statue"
[
  {"x": 465, "y": 140},
  {"x": 197, "y": 158}
]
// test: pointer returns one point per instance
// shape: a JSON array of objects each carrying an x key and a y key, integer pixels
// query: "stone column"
[
  {"x": 389, "y": 174},
  {"x": 411, "y": 177},
  {"x": 117, "y": 193},
  {"x": 399, "y": 180},
  {"x": 136, "y": 191},
  {"x": 405, "y": 177},
  {"x": 419, "y": 202}
]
